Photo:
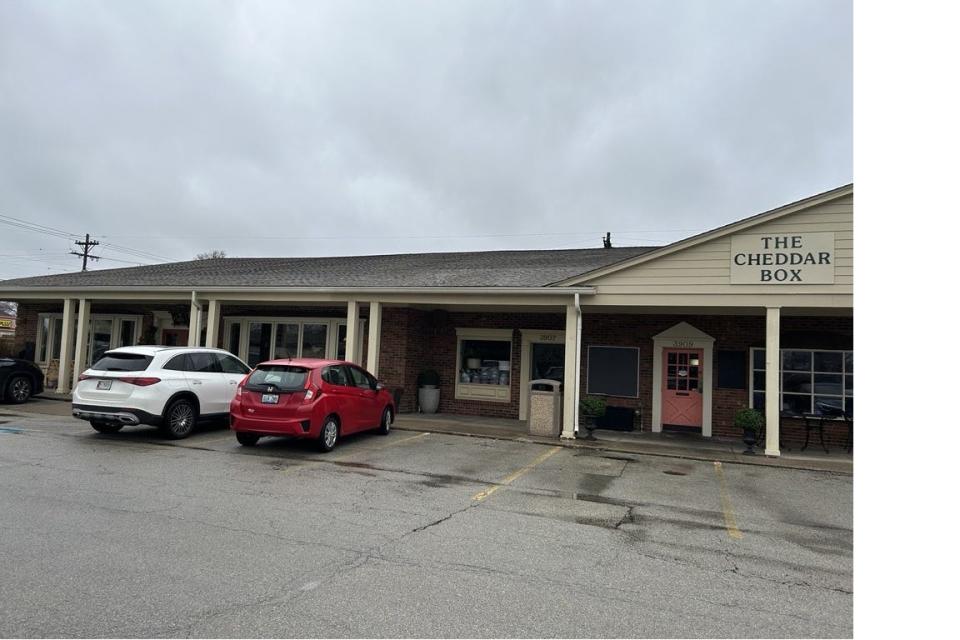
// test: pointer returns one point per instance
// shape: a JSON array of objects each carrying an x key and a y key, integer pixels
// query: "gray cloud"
[{"x": 177, "y": 127}]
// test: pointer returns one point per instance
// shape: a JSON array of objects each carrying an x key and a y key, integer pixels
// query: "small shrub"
[
  {"x": 593, "y": 406},
  {"x": 749, "y": 419}
]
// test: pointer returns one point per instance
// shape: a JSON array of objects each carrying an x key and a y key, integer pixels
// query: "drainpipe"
[{"x": 576, "y": 377}]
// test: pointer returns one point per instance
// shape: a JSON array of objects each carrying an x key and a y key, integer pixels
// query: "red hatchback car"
[{"x": 309, "y": 398}]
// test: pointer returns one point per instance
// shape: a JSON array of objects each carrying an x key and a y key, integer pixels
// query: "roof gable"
[{"x": 708, "y": 236}]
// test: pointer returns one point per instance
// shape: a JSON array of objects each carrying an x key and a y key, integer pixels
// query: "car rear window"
[
  {"x": 123, "y": 362},
  {"x": 283, "y": 377}
]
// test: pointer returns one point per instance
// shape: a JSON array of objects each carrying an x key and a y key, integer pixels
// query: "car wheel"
[
  {"x": 386, "y": 421},
  {"x": 105, "y": 427},
  {"x": 19, "y": 389},
  {"x": 247, "y": 439},
  {"x": 180, "y": 419},
  {"x": 329, "y": 434}
]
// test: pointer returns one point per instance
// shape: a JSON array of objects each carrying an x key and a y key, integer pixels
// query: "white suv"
[{"x": 168, "y": 387}]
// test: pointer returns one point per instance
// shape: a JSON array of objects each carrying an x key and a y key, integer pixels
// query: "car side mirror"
[{"x": 379, "y": 386}]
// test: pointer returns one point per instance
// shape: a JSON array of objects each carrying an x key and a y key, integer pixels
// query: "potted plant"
[
  {"x": 428, "y": 390},
  {"x": 751, "y": 421},
  {"x": 590, "y": 410}
]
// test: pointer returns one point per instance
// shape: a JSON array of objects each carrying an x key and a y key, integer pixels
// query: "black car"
[{"x": 19, "y": 379}]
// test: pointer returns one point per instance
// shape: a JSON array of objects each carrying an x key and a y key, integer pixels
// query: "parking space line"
[
  {"x": 726, "y": 504},
  {"x": 519, "y": 473}
]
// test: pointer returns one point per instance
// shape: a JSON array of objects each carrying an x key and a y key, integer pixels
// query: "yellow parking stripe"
[
  {"x": 727, "y": 506},
  {"x": 486, "y": 493}
]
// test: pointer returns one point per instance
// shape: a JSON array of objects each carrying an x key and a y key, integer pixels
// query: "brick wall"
[{"x": 415, "y": 340}]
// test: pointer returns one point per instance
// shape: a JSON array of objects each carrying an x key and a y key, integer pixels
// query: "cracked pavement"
[{"x": 134, "y": 536}]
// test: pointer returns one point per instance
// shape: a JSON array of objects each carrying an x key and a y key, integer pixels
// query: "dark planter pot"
[
  {"x": 588, "y": 423},
  {"x": 749, "y": 439}
]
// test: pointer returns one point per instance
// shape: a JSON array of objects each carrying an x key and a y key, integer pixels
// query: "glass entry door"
[
  {"x": 546, "y": 361},
  {"x": 101, "y": 332}
]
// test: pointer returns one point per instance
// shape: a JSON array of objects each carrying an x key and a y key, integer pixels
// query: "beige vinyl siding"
[{"x": 705, "y": 268}]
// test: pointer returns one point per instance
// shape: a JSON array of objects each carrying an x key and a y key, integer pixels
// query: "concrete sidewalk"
[
  {"x": 645, "y": 443},
  {"x": 642, "y": 443}
]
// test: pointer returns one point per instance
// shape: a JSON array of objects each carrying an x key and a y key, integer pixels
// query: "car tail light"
[
  {"x": 84, "y": 376},
  {"x": 243, "y": 382},
  {"x": 140, "y": 382},
  {"x": 310, "y": 394}
]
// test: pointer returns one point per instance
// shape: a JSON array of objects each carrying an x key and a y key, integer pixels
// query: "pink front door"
[{"x": 682, "y": 399}]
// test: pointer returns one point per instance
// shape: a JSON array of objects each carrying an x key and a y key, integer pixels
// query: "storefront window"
[
  {"x": 811, "y": 381},
  {"x": 483, "y": 364}
]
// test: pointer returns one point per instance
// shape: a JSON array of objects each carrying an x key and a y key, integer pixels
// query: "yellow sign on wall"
[{"x": 6, "y": 323}]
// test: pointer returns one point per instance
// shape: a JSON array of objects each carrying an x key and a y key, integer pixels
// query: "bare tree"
[{"x": 207, "y": 255}]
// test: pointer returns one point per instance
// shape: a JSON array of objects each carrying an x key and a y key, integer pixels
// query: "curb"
[{"x": 759, "y": 461}]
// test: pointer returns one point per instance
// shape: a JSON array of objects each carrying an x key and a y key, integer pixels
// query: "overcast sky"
[{"x": 339, "y": 128}]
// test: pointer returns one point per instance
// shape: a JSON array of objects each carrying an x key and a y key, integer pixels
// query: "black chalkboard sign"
[
  {"x": 613, "y": 371},
  {"x": 731, "y": 369}
]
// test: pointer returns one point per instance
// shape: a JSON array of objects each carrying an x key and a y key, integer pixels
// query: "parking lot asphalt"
[{"x": 412, "y": 534}]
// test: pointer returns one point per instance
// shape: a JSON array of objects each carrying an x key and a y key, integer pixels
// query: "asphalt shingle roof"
[{"x": 475, "y": 269}]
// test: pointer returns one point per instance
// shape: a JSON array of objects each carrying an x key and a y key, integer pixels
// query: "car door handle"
[
  {"x": 233, "y": 382},
  {"x": 197, "y": 381}
]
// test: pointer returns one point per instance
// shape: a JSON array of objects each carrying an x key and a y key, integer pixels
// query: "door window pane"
[
  {"x": 848, "y": 361},
  {"x": 42, "y": 340},
  {"x": 759, "y": 380},
  {"x": 100, "y": 340},
  {"x": 759, "y": 399},
  {"x": 127, "y": 329},
  {"x": 546, "y": 362},
  {"x": 341, "y": 341},
  {"x": 849, "y": 385},
  {"x": 287, "y": 337},
  {"x": 314, "y": 341},
  {"x": 57, "y": 336},
  {"x": 759, "y": 359},
  {"x": 233, "y": 345},
  {"x": 258, "y": 346}
]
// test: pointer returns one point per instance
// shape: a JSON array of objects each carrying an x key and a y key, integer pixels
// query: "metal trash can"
[{"x": 545, "y": 409}]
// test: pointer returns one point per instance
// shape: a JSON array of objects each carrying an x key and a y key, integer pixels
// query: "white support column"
[
  {"x": 772, "y": 386},
  {"x": 83, "y": 329},
  {"x": 353, "y": 331},
  {"x": 571, "y": 365},
  {"x": 373, "y": 338},
  {"x": 64, "y": 377},
  {"x": 213, "y": 323},
  {"x": 193, "y": 337}
]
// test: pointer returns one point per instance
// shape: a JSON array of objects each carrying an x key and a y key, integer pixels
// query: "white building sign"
[{"x": 789, "y": 258}]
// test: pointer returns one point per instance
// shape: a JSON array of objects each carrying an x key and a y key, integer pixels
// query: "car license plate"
[
  {"x": 104, "y": 385},
  {"x": 270, "y": 398}
]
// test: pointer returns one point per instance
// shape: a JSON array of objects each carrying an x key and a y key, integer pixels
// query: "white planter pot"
[{"x": 429, "y": 399}]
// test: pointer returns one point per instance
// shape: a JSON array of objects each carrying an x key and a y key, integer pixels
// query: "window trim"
[{"x": 813, "y": 372}]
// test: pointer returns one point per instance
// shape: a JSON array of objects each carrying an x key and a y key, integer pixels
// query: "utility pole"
[{"x": 87, "y": 245}]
